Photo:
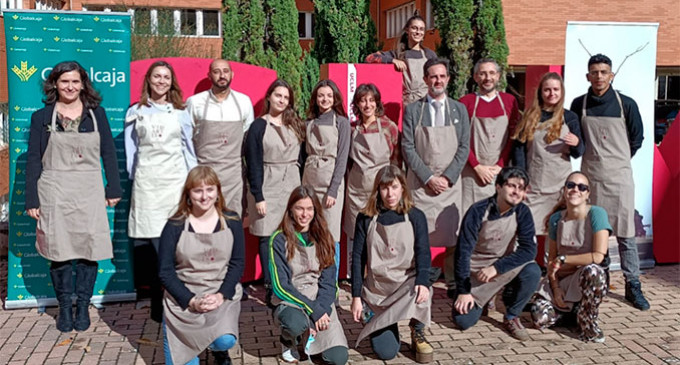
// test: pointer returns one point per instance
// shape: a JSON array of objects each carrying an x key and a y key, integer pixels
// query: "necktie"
[{"x": 438, "y": 115}]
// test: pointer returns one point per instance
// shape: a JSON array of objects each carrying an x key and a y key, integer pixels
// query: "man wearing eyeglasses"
[
  {"x": 496, "y": 248},
  {"x": 612, "y": 133}
]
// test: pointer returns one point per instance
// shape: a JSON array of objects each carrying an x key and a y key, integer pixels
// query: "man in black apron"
[
  {"x": 436, "y": 143},
  {"x": 496, "y": 248},
  {"x": 612, "y": 133}
]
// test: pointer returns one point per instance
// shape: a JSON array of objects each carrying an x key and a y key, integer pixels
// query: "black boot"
[
  {"x": 222, "y": 357},
  {"x": 86, "y": 274},
  {"x": 62, "y": 281},
  {"x": 635, "y": 296}
]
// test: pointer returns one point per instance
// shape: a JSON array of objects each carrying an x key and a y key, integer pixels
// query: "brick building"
[{"x": 535, "y": 30}]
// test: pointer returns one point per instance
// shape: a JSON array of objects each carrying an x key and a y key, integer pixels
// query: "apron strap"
[
  {"x": 94, "y": 121},
  {"x": 207, "y": 102},
  {"x": 422, "y": 110},
  {"x": 618, "y": 98},
  {"x": 583, "y": 108},
  {"x": 474, "y": 109},
  {"x": 186, "y": 224},
  {"x": 54, "y": 118},
  {"x": 505, "y": 113}
]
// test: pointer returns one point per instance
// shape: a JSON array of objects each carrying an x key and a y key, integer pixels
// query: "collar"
[
  {"x": 214, "y": 98},
  {"x": 430, "y": 99},
  {"x": 494, "y": 210},
  {"x": 608, "y": 95},
  {"x": 486, "y": 98}
]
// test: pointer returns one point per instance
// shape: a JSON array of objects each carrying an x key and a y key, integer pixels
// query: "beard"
[{"x": 221, "y": 87}]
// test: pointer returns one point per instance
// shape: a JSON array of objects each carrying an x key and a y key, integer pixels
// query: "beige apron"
[
  {"x": 573, "y": 237},
  {"x": 437, "y": 146},
  {"x": 159, "y": 175},
  {"x": 370, "y": 153},
  {"x": 280, "y": 150},
  {"x": 389, "y": 287},
  {"x": 414, "y": 83},
  {"x": 548, "y": 166},
  {"x": 73, "y": 223},
  {"x": 489, "y": 136},
  {"x": 218, "y": 144},
  {"x": 322, "y": 150},
  {"x": 305, "y": 273},
  {"x": 606, "y": 162},
  {"x": 202, "y": 260},
  {"x": 496, "y": 239}
]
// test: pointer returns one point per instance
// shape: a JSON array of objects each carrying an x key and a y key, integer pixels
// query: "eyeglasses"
[{"x": 581, "y": 187}]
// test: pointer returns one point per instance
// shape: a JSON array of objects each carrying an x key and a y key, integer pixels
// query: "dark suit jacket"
[
  {"x": 37, "y": 143},
  {"x": 456, "y": 115}
]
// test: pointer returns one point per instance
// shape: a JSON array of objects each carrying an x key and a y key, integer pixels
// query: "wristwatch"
[{"x": 562, "y": 259}]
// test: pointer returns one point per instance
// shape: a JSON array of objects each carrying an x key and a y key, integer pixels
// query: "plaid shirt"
[{"x": 391, "y": 132}]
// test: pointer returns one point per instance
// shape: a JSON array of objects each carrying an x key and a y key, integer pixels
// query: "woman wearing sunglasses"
[{"x": 577, "y": 281}]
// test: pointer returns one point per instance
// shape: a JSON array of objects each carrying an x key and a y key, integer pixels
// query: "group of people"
[{"x": 474, "y": 176}]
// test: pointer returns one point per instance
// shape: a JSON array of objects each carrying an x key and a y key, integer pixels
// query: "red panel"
[{"x": 666, "y": 198}]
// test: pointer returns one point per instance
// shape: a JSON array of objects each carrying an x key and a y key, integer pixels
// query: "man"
[
  {"x": 435, "y": 143},
  {"x": 612, "y": 133},
  {"x": 221, "y": 117},
  {"x": 493, "y": 116},
  {"x": 496, "y": 248}
]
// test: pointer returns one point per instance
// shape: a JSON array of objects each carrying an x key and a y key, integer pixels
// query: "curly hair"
[{"x": 88, "y": 95}]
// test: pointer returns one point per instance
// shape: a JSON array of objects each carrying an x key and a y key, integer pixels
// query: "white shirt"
[
  {"x": 225, "y": 110},
  {"x": 432, "y": 110},
  {"x": 488, "y": 99}
]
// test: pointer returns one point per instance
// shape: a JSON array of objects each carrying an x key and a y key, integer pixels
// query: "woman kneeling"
[{"x": 577, "y": 280}]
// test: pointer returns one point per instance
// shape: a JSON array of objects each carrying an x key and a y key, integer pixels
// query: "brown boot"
[{"x": 423, "y": 350}]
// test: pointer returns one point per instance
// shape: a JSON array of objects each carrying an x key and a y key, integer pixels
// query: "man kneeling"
[{"x": 496, "y": 248}]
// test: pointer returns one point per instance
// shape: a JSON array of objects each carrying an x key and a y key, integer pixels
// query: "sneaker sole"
[{"x": 422, "y": 358}]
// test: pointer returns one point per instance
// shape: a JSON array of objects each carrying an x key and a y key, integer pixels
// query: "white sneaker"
[{"x": 290, "y": 354}]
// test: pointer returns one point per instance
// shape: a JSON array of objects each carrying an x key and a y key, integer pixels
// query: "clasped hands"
[
  {"x": 438, "y": 184},
  {"x": 487, "y": 174},
  {"x": 206, "y": 303}
]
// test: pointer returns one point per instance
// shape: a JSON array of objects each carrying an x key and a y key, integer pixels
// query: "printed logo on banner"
[{"x": 24, "y": 72}]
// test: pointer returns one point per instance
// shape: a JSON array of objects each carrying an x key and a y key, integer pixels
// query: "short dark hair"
[
  {"x": 435, "y": 61},
  {"x": 599, "y": 58},
  {"x": 363, "y": 90},
  {"x": 508, "y": 173}
]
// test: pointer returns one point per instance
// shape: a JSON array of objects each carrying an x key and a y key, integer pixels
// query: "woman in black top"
[
  {"x": 64, "y": 187},
  {"x": 390, "y": 268},
  {"x": 201, "y": 260}
]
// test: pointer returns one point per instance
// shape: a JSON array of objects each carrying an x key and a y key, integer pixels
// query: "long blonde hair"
[
  {"x": 197, "y": 176},
  {"x": 529, "y": 123},
  {"x": 385, "y": 177}
]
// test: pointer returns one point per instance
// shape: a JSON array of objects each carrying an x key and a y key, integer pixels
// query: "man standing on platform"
[
  {"x": 496, "y": 248},
  {"x": 221, "y": 117},
  {"x": 612, "y": 132},
  {"x": 435, "y": 144},
  {"x": 493, "y": 116}
]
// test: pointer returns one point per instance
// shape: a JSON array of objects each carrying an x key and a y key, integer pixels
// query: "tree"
[
  {"x": 281, "y": 41},
  {"x": 344, "y": 31},
  {"x": 470, "y": 30},
  {"x": 231, "y": 30}
]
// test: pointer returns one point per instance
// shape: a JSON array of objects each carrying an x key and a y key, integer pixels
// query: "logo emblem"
[{"x": 24, "y": 72}]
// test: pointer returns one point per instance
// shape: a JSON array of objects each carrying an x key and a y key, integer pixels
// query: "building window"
[
  {"x": 669, "y": 87},
  {"x": 186, "y": 22},
  {"x": 397, "y": 17},
  {"x": 305, "y": 25},
  {"x": 429, "y": 17}
]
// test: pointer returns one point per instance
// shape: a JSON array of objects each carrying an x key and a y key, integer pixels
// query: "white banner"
[
  {"x": 351, "y": 89},
  {"x": 632, "y": 49}
]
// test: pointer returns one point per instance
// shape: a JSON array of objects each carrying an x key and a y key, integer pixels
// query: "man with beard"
[
  {"x": 612, "y": 132},
  {"x": 435, "y": 144},
  {"x": 496, "y": 248},
  {"x": 221, "y": 117},
  {"x": 493, "y": 116}
]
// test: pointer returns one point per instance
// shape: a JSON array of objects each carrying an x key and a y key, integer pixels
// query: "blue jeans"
[
  {"x": 222, "y": 343},
  {"x": 523, "y": 287},
  {"x": 630, "y": 261}
]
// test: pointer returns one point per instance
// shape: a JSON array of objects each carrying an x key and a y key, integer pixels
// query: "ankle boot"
[
  {"x": 422, "y": 348},
  {"x": 635, "y": 296},
  {"x": 86, "y": 274},
  {"x": 62, "y": 282},
  {"x": 222, "y": 357}
]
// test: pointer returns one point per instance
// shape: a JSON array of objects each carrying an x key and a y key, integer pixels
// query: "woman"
[
  {"x": 327, "y": 143},
  {"x": 391, "y": 246},
  {"x": 544, "y": 139},
  {"x": 303, "y": 278},
  {"x": 159, "y": 153},
  {"x": 374, "y": 145},
  {"x": 272, "y": 154},
  {"x": 201, "y": 260},
  {"x": 578, "y": 235},
  {"x": 64, "y": 188},
  {"x": 409, "y": 57}
]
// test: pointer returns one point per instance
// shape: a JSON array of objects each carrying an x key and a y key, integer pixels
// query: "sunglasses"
[{"x": 581, "y": 187}]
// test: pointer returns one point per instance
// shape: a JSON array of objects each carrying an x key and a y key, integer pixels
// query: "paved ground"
[{"x": 122, "y": 334}]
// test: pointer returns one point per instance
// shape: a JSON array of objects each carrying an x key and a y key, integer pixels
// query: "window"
[
  {"x": 306, "y": 25},
  {"x": 397, "y": 17},
  {"x": 669, "y": 87},
  {"x": 429, "y": 17},
  {"x": 187, "y": 22}
]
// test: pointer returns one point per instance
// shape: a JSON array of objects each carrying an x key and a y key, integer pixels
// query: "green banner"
[{"x": 35, "y": 42}]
